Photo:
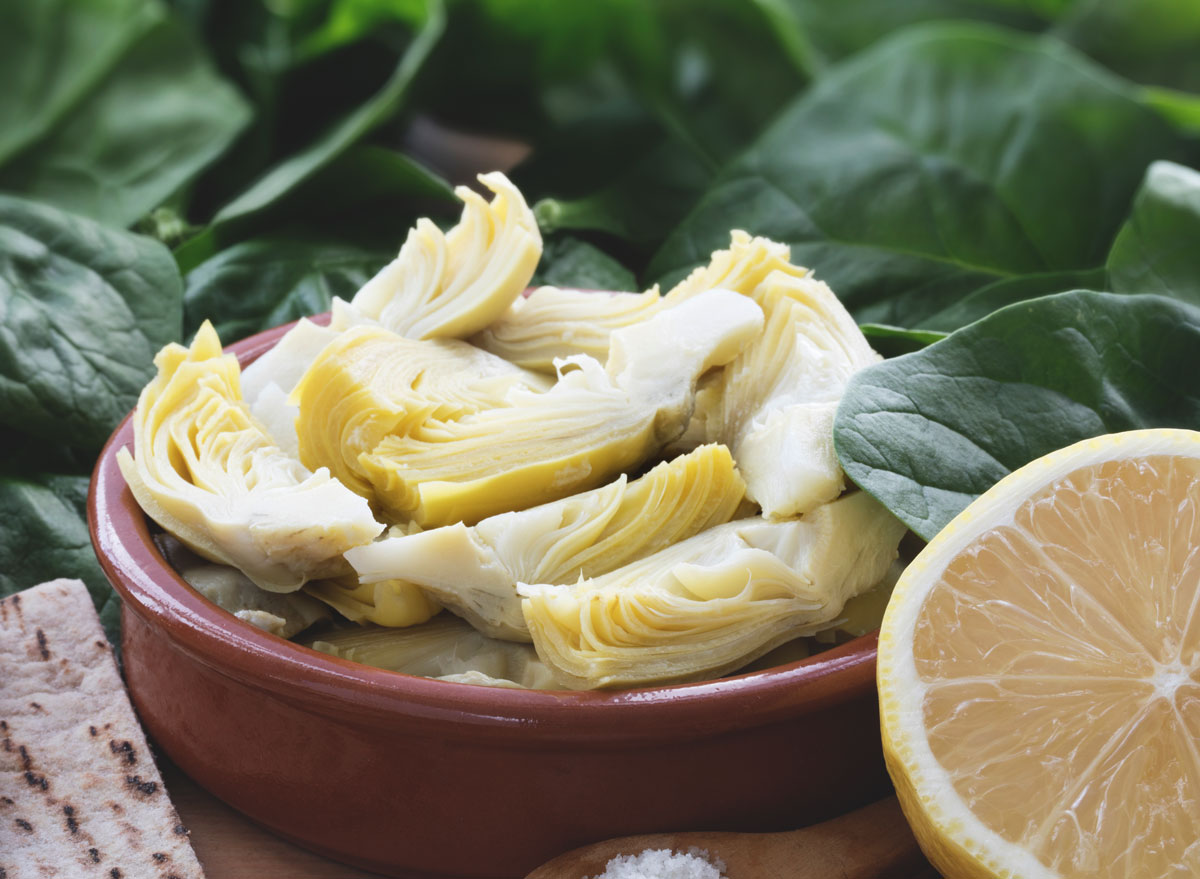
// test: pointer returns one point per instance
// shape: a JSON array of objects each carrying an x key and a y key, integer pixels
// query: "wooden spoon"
[{"x": 873, "y": 842}]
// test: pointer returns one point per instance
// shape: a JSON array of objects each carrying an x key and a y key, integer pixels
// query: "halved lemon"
[{"x": 1039, "y": 670}]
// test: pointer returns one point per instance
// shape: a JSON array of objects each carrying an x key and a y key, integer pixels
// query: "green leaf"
[
  {"x": 347, "y": 21},
  {"x": 45, "y": 536},
  {"x": 148, "y": 125},
  {"x": 83, "y": 310},
  {"x": 935, "y": 163},
  {"x": 369, "y": 194},
  {"x": 929, "y": 432},
  {"x": 52, "y": 53},
  {"x": 1158, "y": 248},
  {"x": 1149, "y": 41},
  {"x": 836, "y": 30},
  {"x": 574, "y": 264},
  {"x": 276, "y": 183},
  {"x": 1008, "y": 291},
  {"x": 260, "y": 284},
  {"x": 641, "y": 205},
  {"x": 893, "y": 341},
  {"x": 1181, "y": 109}
]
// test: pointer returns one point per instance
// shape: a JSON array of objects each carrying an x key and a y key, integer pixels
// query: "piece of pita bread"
[{"x": 80, "y": 795}]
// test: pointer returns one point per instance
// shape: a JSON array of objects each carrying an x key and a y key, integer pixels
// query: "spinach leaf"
[
  {"x": 1150, "y": 41},
  {"x": 893, "y": 341},
  {"x": 147, "y": 127},
  {"x": 369, "y": 194},
  {"x": 572, "y": 263},
  {"x": 259, "y": 284},
  {"x": 836, "y": 30},
  {"x": 937, "y": 162},
  {"x": 928, "y": 432},
  {"x": 641, "y": 205},
  {"x": 280, "y": 180},
  {"x": 45, "y": 536},
  {"x": 83, "y": 310},
  {"x": 53, "y": 52},
  {"x": 1158, "y": 248},
  {"x": 1007, "y": 291}
]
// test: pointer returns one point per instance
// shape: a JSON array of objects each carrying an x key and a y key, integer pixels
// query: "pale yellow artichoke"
[
  {"x": 474, "y": 570},
  {"x": 714, "y": 602},
  {"x": 207, "y": 471}
]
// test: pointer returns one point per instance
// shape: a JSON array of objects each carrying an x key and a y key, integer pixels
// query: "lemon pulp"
[{"x": 1058, "y": 656}]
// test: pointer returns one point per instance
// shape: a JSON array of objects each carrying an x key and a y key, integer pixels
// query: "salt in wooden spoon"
[{"x": 873, "y": 842}]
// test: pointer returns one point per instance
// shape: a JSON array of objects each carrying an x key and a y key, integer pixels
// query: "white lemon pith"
[{"x": 1039, "y": 670}]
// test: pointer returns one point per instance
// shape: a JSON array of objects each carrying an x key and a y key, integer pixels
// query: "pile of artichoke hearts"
[{"x": 564, "y": 489}]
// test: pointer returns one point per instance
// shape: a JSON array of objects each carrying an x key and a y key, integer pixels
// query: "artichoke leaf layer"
[
  {"x": 445, "y": 648},
  {"x": 474, "y": 570},
  {"x": 439, "y": 286},
  {"x": 281, "y": 613},
  {"x": 774, "y": 404},
  {"x": 593, "y": 424},
  {"x": 449, "y": 286},
  {"x": 207, "y": 472},
  {"x": 714, "y": 602},
  {"x": 393, "y": 602},
  {"x": 369, "y": 383},
  {"x": 553, "y": 323}
]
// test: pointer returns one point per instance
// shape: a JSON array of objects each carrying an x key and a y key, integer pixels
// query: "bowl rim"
[{"x": 356, "y": 693}]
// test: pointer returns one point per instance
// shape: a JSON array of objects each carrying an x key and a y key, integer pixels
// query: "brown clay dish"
[{"x": 413, "y": 777}]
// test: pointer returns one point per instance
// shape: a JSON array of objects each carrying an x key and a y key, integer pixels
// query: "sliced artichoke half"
[
  {"x": 774, "y": 404},
  {"x": 207, "y": 472},
  {"x": 474, "y": 570},
  {"x": 392, "y": 602},
  {"x": 445, "y": 648},
  {"x": 448, "y": 286},
  {"x": 552, "y": 323},
  {"x": 714, "y": 602},
  {"x": 438, "y": 446}
]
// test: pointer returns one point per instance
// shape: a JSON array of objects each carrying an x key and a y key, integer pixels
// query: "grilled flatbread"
[{"x": 80, "y": 795}]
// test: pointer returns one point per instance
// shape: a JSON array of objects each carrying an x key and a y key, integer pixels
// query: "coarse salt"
[{"x": 664, "y": 864}]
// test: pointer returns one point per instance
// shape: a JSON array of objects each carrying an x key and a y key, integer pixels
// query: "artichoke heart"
[
  {"x": 593, "y": 424},
  {"x": 445, "y": 648},
  {"x": 207, "y": 472},
  {"x": 474, "y": 570},
  {"x": 284, "y": 614},
  {"x": 551, "y": 323},
  {"x": 267, "y": 382},
  {"x": 714, "y": 602},
  {"x": 368, "y": 384},
  {"x": 774, "y": 404},
  {"x": 745, "y": 265},
  {"x": 392, "y": 602},
  {"x": 455, "y": 284}
]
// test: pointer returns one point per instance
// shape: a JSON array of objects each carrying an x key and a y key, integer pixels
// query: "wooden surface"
[{"x": 231, "y": 847}]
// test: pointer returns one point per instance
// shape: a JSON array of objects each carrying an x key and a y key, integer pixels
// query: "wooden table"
[{"x": 231, "y": 847}]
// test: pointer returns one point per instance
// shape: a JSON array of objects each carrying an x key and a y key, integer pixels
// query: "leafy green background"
[{"x": 951, "y": 167}]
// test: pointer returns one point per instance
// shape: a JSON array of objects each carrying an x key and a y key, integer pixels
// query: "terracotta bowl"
[{"x": 413, "y": 777}]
